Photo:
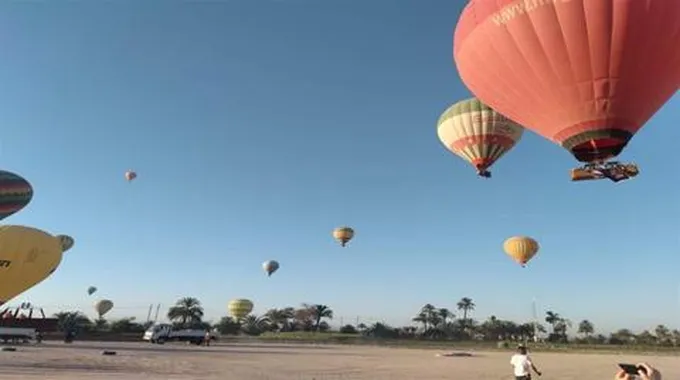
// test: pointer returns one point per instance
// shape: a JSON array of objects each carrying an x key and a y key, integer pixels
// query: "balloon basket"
[{"x": 613, "y": 171}]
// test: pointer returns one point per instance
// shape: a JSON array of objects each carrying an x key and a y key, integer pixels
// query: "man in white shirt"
[{"x": 522, "y": 364}]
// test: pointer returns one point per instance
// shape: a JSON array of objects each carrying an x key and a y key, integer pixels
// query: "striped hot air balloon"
[
  {"x": 521, "y": 249},
  {"x": 15, "y": 193},
  {"x": 239, "y": 308},
  {"x": 66, "y": 242},
  {"x": 343, "y": 235},
  {"x": 102, "y": 307},
  {"x": 270, "y": 266},
  {"x": 130, "y": 175},
  {"x": 478, "y": 134}
]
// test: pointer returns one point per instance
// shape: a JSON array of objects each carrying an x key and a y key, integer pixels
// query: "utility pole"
[
  {"x": 158, "y": 309},
  {"x": 535, "y": 315},
  {"x": 148, "y": 315}
]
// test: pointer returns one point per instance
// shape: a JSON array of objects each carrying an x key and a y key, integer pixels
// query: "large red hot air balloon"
[{"x": 586, "y": 74}]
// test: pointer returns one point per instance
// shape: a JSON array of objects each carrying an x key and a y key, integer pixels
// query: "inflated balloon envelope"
[
  {"x": 585, "y": 74},
  {"x": 27, "y": 257}
]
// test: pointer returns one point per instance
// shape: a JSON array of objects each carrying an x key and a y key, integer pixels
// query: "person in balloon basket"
[{"x": 522, "y": 364}]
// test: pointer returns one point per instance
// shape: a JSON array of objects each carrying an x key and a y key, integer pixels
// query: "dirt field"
[{"x": 287, "y": 362}]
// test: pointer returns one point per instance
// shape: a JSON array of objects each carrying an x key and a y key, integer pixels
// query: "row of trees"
[{"x": 430, "y": 323}]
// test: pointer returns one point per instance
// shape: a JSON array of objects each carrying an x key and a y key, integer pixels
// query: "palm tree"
[
  {"x": 320, "y": 312},
  {"x": 280, "y": 318},
  {"x": 72, "y": 320},
  {"x": 552, "y": 319},
  {"x": 586, "y": 328},
  {"x": 254, "y": 325},
  {"x": 466, "y": 305},
  {"x": 425, "y": 315},
  {"x": 187, "y": 310}
]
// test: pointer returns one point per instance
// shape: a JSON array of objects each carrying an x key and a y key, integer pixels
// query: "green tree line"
[{"x": 430, "y": 323}]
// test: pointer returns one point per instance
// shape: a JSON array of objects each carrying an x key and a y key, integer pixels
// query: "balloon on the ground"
[
  {"x": 473, "y": 131},
  {"x": 521, "y": 249},
  {"x": 15, "y": 193},
  {"x": 27, "y": 256},
  {"x": 343, "y": 235},
  {"x": 103, "y": 306},
  {"x": 239, "y": 308},
  {"x": 130, "y": 175},
  {"x": 91, "y": 290},
  {"x": 586, "y": 74},
  {"x": 66, "y": 242},
  {"x": 270, "y": 266}
]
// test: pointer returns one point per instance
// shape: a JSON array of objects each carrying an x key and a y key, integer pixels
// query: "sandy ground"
[{"x": 133, "y": 361}]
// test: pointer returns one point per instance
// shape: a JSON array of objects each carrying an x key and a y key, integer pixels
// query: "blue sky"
[{"x": 257, "y": 127}]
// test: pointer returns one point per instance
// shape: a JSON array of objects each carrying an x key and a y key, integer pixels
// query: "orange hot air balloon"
[
  {"x": 586, "y": 74},
  {"x": 130, "y": 175},
  {"x": 521, "y": 249}
]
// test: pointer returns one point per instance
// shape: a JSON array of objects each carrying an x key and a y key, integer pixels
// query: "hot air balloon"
[
  {"x": 102, "y": 307},
  {"x": 91, "y": 290},
  {"x": 472, "y": 130},
  {"x": 270, "y": 266},
  {"x": 239, "y": 308},
  {"x": 15, "y": 193},
  {"x": 521, "y": 249},
  {"x": 343, "y": 235},
  {"x": 130, "y": 175},
  {"x": 27, "y": 256},
  {"x": 585, "y": 74},
  {"x": 66, "y": 242}
]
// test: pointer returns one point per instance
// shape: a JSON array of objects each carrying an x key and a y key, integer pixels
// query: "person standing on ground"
[
  {"x": 522, "y": 364},
  {"x": 207, "y": 337}
]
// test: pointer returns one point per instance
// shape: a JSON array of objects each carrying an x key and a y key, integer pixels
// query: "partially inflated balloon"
[
  {"x": 270, "y": 266},
  {"x": 102, "y": 307},
  {"x": 239, "y": 308},
  {"x": 478, "y": 134},
  {"x": 66, "y": 242},
  {"x": 586, "y": 74},
  {"x": 521, "y": 249},
  {"x": 343, "y": 235},
  {"x": 27, "y": 256},
  {"x": 15, "y": 193},
  {"x": 130, "y": 175},
  {"x": 91, "y": 290}
]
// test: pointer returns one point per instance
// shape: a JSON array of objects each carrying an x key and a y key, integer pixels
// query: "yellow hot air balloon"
[
  {"x": 473, "y": 131},
  {"x": 521, "y": 249},
  {"x": 66, "y": 242},
  {"x": 343, "y": 235},
  {"x": 27, "y": 256},
  {"x": 102, "y": 307},
  {"x": 239, "y": 308}
]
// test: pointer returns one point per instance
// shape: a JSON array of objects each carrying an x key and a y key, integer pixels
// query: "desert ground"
[{"x": 84, "y": 360}]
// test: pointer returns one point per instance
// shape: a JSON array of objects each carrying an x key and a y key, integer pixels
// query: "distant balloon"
[
  {"x": 343, "y": 235},
  {"x": 91, "y": 290},
  {"x": 239, "y": 308},
  {"x": 66, "y": 242},
  {"x": 102, "y": 307},
  {"x": 476, "y": 133},
  {"x": 15, "y": 193},
  {"x": 521, "y": 249},
  {"x": 270, "y": 267},
  {"x": 27, "y": 256},
  {"x": 130, "y": 175}
]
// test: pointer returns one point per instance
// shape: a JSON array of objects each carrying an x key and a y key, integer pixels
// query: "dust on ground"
[{"x": 236, "y": 361}]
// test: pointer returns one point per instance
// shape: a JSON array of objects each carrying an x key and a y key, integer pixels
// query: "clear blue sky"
[{"x": 257, "y": 127}]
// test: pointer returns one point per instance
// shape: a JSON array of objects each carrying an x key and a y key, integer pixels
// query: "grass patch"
[{"x": 356, "y": 339}]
